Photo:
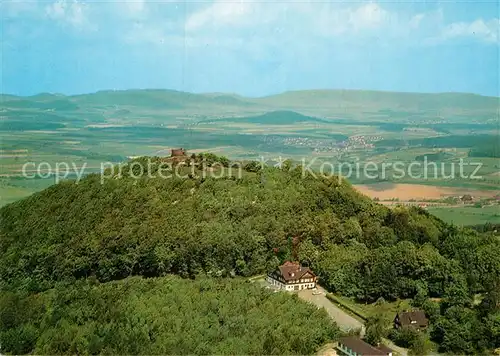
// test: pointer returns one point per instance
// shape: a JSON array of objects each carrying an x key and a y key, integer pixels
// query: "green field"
[
  {"x": 468, "y": 215},
  {"x": 334, "y": 126},
  {"x": 366, "y": 310}
]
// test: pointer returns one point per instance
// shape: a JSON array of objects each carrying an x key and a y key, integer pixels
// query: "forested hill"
[
  {"x": 228, "y": 227},
  {"x": 156, "y": 226}
]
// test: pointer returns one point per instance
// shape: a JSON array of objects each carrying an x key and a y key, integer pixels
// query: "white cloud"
[
  {"x": 256, "y": 21},
  {"x": 132, "y": 9},
  {"x": 314, "y": 18},
  {"x": 370, "y": 15},
  {"x": 486, "y": 31},
  {"x": 221, "y": 13},
  {"x": 335, "y": 21},
  {"x": 298, "y": 20},
  {"x": 72, "y": 13}
]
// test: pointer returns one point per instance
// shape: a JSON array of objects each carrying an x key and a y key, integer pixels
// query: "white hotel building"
[{"x": 292, "y": 276}]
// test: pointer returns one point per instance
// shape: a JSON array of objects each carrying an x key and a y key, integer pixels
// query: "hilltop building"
[
  {"x": 354, "y": 346},
  {"x": 177, "y": 156},
  {"x": 178, "y": 152},
  {"x": 414, "y": 319},
  {"x": 292, "y": 276}
]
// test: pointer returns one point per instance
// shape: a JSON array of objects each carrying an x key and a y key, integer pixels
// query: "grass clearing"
[{"x": 365, "y": 311}]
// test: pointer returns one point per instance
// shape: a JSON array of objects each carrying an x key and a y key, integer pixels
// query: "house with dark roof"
[
  {"x": 354, "y": 346},
  {"x": 414, "y": 319},
  {"x": 292, "y": 276}
]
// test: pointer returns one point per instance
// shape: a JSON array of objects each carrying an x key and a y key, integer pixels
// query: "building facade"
[
  {"x": 177, "y": 152},
  {"x": 354, "y": 346},
  {"x": 291, "y": 276}
]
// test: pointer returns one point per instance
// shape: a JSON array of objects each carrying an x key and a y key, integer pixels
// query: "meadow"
[
  {"x": 468, "y": 215},
  {"x": 364, "y": 311}
]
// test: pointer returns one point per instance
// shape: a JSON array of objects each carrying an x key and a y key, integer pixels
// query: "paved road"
[{"x": 345, "y": 321}]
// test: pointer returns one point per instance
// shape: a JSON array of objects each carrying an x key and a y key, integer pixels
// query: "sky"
[{"x": 249, "y": 47}]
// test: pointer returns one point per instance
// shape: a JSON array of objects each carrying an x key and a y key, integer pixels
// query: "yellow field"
[{"x": 404, "y": 192}]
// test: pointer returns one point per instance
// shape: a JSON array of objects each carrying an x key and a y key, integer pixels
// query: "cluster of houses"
[{"x": 291, "y": 276}]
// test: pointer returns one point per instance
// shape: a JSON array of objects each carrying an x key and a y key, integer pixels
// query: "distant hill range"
[
  {"x": 341, "y": 103},
  {"x": 280, "y": 117}
]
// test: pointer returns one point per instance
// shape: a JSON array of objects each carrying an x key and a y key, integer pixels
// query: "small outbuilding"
[{"x": 414, "y": 319}]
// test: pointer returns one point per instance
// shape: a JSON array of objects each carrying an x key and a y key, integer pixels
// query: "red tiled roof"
[{"x": 293, "y": 270}]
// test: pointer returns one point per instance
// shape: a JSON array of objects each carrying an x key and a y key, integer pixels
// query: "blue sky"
[{"x": 249, "y": 47}]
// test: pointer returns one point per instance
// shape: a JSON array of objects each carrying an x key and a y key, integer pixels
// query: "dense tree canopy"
[{"x": 166, "y": 315}]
